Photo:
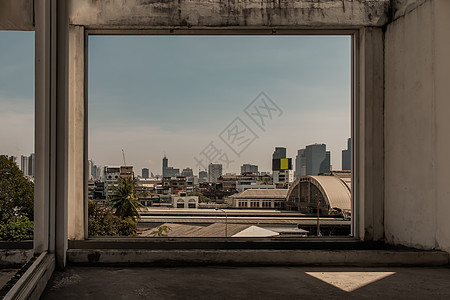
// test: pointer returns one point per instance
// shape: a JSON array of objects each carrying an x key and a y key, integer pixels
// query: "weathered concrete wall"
[
  {"x": 403, "y": 7},
  {"x": 442, "y": 93},
  {"x": 214, "y": 13},
  {"x": 417, "y": 140},
  {"x": 16, "y": 15}
]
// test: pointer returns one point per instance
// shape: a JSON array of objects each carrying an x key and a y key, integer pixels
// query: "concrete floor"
[
  {"x": 6, "y": 275},
  {"x": 249, "y": 283}
]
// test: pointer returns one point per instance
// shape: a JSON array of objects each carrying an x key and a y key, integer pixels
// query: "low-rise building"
[
  {"x": 183, "y": 201},
  {"x": 260, "y": 198}
]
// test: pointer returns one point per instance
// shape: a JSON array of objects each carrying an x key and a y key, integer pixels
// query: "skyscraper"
[
  {"x": 300, "y": 163},
  {"x": 214, "y": 172},
  {"x": 280, "y": 152},
  {"x": 168, "y": 171},
  {"x": 165, "y": 164},
  {"x": 31, "y": 164},
  {"x": 281, "y": 166},
  {"x": 24, "y": 164},
  {"x": 317, "y": 159},
  {"x": 145, "y": 173},
  {"x": 347, "y": 156}
]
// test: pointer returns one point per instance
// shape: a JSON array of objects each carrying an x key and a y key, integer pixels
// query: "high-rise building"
[
  {"x": 145, "y": 173},
  {"x": 281, "y": 166},
  {"x": 168, "y": 171},
  {"x": 165, "y": 164},
  {"x": 94, "y": 170},
  {"x": 280, "y": 152},
  {"x": 214, "y": 172},
  {"x": 202, "y": 176},
  {"x": 90, "y": 168},
  {"x": 300, "y": 163},
  {"x": 187, "y": 172},
  {"x": 24, "y": 164},
  {"x": 31, "y": 164},
  {"x": 317, "y": 159},
  {"x": 347, "y": 156},
  {"x": 248, "y": 168},
  {"x": 325, "y": 166}
]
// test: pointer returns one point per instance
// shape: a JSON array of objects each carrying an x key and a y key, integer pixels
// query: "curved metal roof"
[{"x": 337, "y": 192}]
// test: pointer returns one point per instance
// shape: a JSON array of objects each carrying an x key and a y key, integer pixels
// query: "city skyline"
[
  {"x": 175, "y": 95},
  {"x": 280, "y": 152}
]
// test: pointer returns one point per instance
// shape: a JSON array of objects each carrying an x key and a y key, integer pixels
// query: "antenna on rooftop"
[{"x": 123, "y": 154}]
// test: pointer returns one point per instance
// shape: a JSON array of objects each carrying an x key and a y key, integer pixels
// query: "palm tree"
[{"x": 125, "y": 200}]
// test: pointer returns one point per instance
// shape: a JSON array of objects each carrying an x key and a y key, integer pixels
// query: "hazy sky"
[
  {"x": 16, "y": 93},
  {"x": 151, "y": 95}
]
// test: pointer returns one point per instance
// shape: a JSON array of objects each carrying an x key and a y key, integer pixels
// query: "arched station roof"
[{"x": 336, "y": 191}]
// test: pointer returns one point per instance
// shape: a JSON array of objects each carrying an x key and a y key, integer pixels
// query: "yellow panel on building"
[{"x": 284, "y": 163}]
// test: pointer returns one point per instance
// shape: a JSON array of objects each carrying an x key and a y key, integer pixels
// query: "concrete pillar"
[
  {"x": 60, "y": 58},
  {"x": 76, "y": 126},
  {"x": 44, "y": 205},
  {"x": 368, "y": 128},
  {"x": 51, "y": 129}
]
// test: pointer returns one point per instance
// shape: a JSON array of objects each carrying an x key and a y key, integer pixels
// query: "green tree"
[
  {"x": 16, "y": 192},
  {"x": 17, "y": 229},
  {"x": 16, "y": 202},
  {"x": 103, "y": 222},
  {"x": 125, "y": 200}
]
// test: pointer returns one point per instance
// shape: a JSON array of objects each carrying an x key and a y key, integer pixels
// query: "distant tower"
[
  {"x": 300, "y": 163},
  {"x": 145, "y": 173},
  {"x": 24, "y": 164},
  {"x": 280, "y": 152},
  {"x": 214, "y": 172},
  {"x": 281, "y": 166},
  {"x": 317, "y": 159},
  {"x": 31, "y": 164},
  {"x": 165, "y": 164},
  {"x": 347, "y": 156}
]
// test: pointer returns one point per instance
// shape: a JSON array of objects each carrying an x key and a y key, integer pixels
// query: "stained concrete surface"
[
  {"x": 219, "y": 282},
  {"x": 6, "y": 275}
]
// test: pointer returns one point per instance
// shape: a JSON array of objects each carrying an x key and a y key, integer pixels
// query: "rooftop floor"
[{"x": 221, "y": 282}]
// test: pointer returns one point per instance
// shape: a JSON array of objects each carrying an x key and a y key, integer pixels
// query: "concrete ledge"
[
  {"x": 12, "y": 258},
  {"x": 219, "y": 13},
  {"x": 33, "y": 282},
  {"x": 257, "y": 257}
]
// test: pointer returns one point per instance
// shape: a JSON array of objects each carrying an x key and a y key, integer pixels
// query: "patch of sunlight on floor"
[{"x": 349, "y": 281}]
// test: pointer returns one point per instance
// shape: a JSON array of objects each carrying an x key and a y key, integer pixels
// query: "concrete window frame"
[
  {"x": 61, "y": 31},
  {"x": 78, "y": 59}
]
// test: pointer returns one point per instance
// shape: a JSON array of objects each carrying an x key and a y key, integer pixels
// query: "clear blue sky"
[{"x": 151, "y": 95}]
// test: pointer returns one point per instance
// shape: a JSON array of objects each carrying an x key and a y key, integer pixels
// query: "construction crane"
[{"x": 123, "y": 154}]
